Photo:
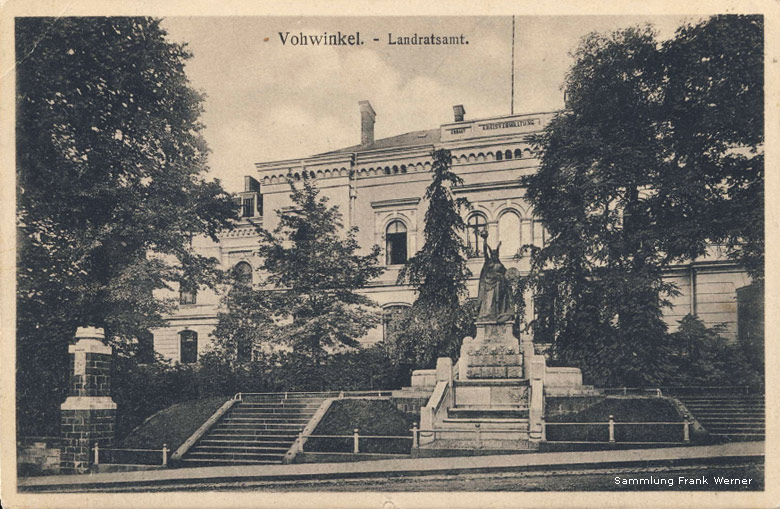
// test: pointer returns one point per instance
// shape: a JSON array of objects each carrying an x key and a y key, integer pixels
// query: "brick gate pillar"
[{"x": 89, "y": 413}]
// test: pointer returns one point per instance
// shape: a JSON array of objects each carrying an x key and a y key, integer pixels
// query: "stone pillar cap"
[{"x": 90, "y": 333}]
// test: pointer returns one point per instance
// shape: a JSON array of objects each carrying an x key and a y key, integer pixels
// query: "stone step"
[
  {"x": 491, "y": 382},
  {"x": 719, "y": 427},
  {"x": 709, "y": 414},
  {"x": 219, "y": 461},
  {"x": 288, "y": 401},
  {"x": 260, "y": 424},
  {"x": 265, "y": 420},
  {"x": 471, "y": 421},
  {"x": 726, "y": 404},
  {"x": 286, "y": 431},
  {"x": 284, "y": 403},
  {"x": 251, "y": 432},
  {"x": 720, "y": 396},
  {"x": 241, "y": 448},
  {"x": 220, "y": 441},
  {"x": 488, "y": 412},
  {"x": 742, "y": 418},
  {"x": 737, "y": 434},
  {"x": 491, "y": 444},
  {"x": 277, "y": 410},
  {"x": 236, "y": 455},
  {"x": 718, "y": 413}
]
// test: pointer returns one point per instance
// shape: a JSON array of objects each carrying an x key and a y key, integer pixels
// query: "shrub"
[{"x": 702, "y": 356}]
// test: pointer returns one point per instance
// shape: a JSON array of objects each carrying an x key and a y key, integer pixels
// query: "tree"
[
  {"x": 110, "y": 165},
  {"x": 634, "y": 177},
  {"x": 714, "y": 108},
  {"x": 245, "y": 321},
  {"x": 313, "y": 270},
  {"x": 436, "y": 322}
]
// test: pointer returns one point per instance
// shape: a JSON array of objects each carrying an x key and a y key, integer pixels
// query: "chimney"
[
  {"x": 367, "y": 117},
  {"x": 459, "y": 112}
]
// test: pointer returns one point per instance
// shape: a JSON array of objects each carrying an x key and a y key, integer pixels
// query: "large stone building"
[{"x": 378, "y": 186}]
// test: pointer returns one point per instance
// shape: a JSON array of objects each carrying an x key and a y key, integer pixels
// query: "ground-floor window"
[{"x": 189, "y": 347}]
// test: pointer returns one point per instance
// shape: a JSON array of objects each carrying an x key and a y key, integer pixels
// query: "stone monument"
[{"x": 494, "y": 352}]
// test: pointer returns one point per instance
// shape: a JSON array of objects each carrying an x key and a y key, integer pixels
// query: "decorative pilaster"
[{"x": 89, "y": 413}]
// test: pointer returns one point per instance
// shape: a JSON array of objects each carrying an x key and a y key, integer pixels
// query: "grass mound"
[
  {"x": 371, "y": 417},
  {"x": 623, "y": 409},
  {"x": 172, "y": 425}
]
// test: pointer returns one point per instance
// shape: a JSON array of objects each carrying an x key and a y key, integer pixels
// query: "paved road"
[{"x": 549, "y": 480}]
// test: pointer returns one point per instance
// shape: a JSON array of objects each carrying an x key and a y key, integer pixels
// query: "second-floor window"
[
  {"x": 188, "y": 294},
  {"x": 395, "y": 243},
  {"x": 248, "y": 207},
  {"x": 475, "y": 225}
]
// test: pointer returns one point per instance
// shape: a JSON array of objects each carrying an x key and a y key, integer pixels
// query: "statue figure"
[{"x": 495, "y": 293}]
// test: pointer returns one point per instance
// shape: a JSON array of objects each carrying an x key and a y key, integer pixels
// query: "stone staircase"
[
  {"x": 259, "y": 429},
  {"x": 488, "y": 417},
  {"x": 729, "y": 416}
]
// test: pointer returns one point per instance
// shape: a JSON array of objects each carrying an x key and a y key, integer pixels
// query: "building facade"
[{"x": 379, "y": 187}]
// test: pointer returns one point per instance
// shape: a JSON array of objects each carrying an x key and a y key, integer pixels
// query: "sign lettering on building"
[{"x": 495, "y": 127}]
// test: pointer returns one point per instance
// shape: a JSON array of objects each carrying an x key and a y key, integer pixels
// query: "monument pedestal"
[
  {"x": 491, "y": 374},
  {"x": 493, "y": 354}
]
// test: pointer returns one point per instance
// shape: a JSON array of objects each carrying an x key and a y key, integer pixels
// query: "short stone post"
[
  {"x": 479, "y": 435},
  {"x": 687, "y": 429},
  {"x": 165, "y": 455},
  {"x": 88, "y": 414},
  {"x": 426, "y": 425},
  {"x": 611, "y": 429},
  {"x": 536, "y": 406},
  {"x": 415, "y": 443},
  {"x": 356, "y": 441}
]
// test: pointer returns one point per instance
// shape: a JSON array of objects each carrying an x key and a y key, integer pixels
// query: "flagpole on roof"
[{"x": 512, "y": 105}]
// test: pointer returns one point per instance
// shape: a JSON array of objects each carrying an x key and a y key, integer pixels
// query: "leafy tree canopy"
[
  {"x": 110, "y": 165},
  {"x": 647, "y": 166},
  {"x": 313, "y": 268}
]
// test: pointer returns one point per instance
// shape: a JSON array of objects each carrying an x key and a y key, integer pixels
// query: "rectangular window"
[
  {"x": 248, "y": 207},
  {"x": 187, "y": 294}
]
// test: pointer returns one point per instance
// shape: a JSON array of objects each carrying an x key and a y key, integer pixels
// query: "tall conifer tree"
[{"x": 437, "y": 320}]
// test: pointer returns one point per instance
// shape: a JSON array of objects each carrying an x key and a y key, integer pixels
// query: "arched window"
[
  {"x": 518, "y": 153},
  {"x": 476, "y": 224},
  {"x": 244, "y": 273},
  {"x": 188, "y": 293},
  {"x": 395, "y": 243},
  {"x": 390, "y": 316},
  {"x": 508, "y": 154},
  {"x": 509, "y": 233},
  {"x": 188, "y": 353},
  {"x": 499, "y": 155}
]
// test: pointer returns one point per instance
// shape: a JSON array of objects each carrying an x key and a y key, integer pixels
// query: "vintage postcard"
[{"x": 486, "y": 254}]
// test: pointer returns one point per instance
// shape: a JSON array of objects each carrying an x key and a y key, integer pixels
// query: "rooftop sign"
[{"x": 518, "y": 124}]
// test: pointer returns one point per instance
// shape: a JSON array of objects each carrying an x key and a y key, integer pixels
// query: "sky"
[{"x": 267, "y": 101}]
